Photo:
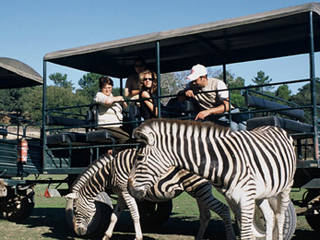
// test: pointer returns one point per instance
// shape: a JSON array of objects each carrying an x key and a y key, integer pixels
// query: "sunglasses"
[
  {"x": 138, "y": 65},
  {"x": 145, "y": 79}
]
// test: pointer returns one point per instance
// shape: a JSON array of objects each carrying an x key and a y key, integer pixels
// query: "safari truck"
[
  {"x": 70, "y": 142},
  {"x": 269, "y": 35}
]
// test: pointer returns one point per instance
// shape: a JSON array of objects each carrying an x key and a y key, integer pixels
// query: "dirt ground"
[{"x": 49, "y": 223}]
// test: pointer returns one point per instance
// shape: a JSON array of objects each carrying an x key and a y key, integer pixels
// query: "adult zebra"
[
  {"x": 248, "y": 167},
  {"x": 112, "y": 173}
]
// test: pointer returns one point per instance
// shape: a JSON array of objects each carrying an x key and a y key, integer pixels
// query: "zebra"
[
  {"x": 247, "y": 167},
  {"x": 112, "y": 173}
]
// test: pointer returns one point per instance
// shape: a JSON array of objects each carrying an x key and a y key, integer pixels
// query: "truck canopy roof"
[
  {"x": 270, "y": 34},
  {"x": 16, "y": 74}
]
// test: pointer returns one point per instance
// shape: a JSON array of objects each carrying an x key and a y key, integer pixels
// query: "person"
[
  {"x": 110, "y": 110},
  {"x": 132, "y": 84},
  {"x": 148, "y": 89},
  {"x": 132, "y": 90},
  {"x": 212, "y": 104}
]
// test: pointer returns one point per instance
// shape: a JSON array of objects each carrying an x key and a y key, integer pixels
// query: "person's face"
[
  {"x": 147, "y": 80},
  {"x": 201, "y": 81},
  {"x": 139, "y": 67},
  {"x": 107, "y": 89}
]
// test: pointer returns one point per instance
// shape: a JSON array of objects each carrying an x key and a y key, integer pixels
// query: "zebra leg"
[
  {"x": 114, "y": 218},
  {"x": 247, "y": 205},
  {"x": 204, "y": 219},
  {"x": 133, "y": 208},
  {"x": 223, "y": 211},
  {"x": 268, "y": 216},
  {"x": 283, "y": 203},
  {"x": 206, "y": 201}
]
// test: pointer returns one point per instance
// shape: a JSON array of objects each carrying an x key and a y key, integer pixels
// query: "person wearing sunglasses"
[{"x": 148, "y": 89}]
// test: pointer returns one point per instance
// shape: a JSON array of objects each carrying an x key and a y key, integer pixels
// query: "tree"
[
  {"x": 303, "y": 97},
  {"x": 262, "y": 79},
  {"x": 283, "y": 92},
  {"x": 60, "y": 80},
  {"x": 89, "y": 84},
  {"x": 9, "y": 99},
  {"x": 56, "y": 97}
]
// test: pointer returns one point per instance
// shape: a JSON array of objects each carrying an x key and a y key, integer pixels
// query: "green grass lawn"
[{"x": 48, "y": 220}]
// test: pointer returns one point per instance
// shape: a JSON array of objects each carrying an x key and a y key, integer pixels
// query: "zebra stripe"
[
  {"x": 246, "y": 166},
  {"x": 115, "y": 172}
]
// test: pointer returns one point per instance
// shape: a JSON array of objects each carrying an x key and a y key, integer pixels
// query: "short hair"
[
  {"x": 104, "y": 80},
  {"x": 154, "y": 81},
  {"x": 140, "y": 59}
]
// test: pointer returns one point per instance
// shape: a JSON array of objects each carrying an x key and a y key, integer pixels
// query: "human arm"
[
  {"x": 224, "y": 107},
  {"x": 107, "y": 100},
  {"x": 223, "y": 96},
  {"x": 132, "y": 86},
  {"x": 149, "y": 102}
]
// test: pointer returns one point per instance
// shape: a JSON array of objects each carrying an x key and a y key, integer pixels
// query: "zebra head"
[
  {"x": 88, "y": 201},
  {"x": 82, "y": 216},
  {"x": 145, "y": 174},
  {"x": 145, "y": 133}
]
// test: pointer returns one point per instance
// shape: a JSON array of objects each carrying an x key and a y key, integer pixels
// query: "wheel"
[
  {"x": 313, "y": 219},
  {"x": 154, "y": 214},
  {"x": 288, "y": 228},
  {"x": 18, "y": 207}
]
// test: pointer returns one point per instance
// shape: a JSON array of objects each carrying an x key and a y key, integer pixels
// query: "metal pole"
[
  {"x": 313, "y": 90},
  {"x": 159, "y": 79},
  {"x": 44, "y": 101},
  {"x": 121, "y": 86},
  {"x": 224, "y": 72}
]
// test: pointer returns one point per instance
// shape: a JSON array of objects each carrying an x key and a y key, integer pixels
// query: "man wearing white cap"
[{"x": 211, "y": 103}]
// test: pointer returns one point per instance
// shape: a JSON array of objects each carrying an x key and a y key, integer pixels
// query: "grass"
[{"x": 48, "y": 221}]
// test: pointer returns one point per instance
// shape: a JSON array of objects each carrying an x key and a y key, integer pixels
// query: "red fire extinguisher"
[{"x": 22, "y": 151}]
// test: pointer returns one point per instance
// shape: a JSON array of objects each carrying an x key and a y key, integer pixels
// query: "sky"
[{"x": 30, "y": 29}]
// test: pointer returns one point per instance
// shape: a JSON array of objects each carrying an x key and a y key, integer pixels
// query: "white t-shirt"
[
  {"x": 108, "y": 113},
  {"x": 209, "y": 100}
]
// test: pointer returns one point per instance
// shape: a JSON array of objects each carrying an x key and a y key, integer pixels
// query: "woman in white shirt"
[{"x": 110, "y": 110}]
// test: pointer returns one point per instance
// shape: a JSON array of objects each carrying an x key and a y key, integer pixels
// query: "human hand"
[
  {"x": 119, "y": 99},
  {"x": 145, "y": 94},
  {"x": 189, "y": 93},
  {"x": 202, "y": 115}
]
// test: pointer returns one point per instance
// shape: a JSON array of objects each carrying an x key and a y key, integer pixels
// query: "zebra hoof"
[{"x": 105, "y": 237}]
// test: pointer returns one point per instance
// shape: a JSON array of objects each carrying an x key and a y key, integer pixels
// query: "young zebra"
[
  {"x": 248, "y": 167},
  {"x": 112, "y": 173}
]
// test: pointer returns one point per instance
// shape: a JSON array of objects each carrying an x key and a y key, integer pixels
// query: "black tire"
[
  {"x": 18, "y": 208},
  {"x": 313, "y": 220},
  {"x": 153, "y": 214},
  {"x": 289, "y": 227}
]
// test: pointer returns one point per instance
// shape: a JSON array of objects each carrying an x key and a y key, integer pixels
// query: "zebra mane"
[
  {"x": 186, "y": 123},
  {"x": 99, "y": 163}
]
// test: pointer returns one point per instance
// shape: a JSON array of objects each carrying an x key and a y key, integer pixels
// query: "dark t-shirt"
[{"x": 145, "y": 112}]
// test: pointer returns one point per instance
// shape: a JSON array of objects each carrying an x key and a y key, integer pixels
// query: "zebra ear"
[{"x": 72, "y": 196}]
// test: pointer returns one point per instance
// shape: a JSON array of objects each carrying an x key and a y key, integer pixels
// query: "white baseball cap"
[{"x": 197, "y": 71}]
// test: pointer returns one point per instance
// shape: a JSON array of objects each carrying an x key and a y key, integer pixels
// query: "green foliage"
[
  {"x": 262, "y": 79},
  {"x": 89, "y": 84},
  {"x": 10, "y": 99},
  {"x": 303, "y": 97},
  {"x": 283, "y": 92},
  {"x": 56, "y": 97},
  {"x": 61, "y": 80}
]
